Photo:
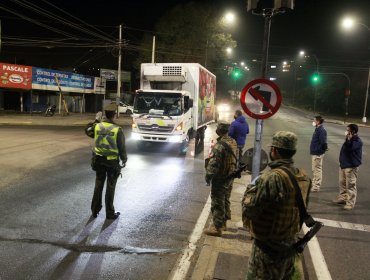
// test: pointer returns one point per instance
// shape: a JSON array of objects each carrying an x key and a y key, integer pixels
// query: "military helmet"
[
  {"x": 285, "y": 140},
  {"x": 111, "y": 107},
  {"x": 223, "y": 127}
]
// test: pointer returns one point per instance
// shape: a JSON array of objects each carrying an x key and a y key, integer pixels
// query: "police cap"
[
  {"x": 223, "y": 127},
  {"x": 285, "y": 140},
  {"x": 111, "y": 107}
]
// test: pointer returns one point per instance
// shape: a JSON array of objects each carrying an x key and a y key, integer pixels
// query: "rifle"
[
  {"x": 238, "y": 172},
  {"x": 301, "y": 243}
]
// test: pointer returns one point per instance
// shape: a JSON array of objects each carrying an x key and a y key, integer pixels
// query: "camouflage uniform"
[
  {"x": 220, "y": 166},
  {"x": 272, "y": 215}
]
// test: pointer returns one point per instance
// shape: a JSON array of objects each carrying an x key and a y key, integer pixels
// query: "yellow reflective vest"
[{"x": 106, "y": 140}]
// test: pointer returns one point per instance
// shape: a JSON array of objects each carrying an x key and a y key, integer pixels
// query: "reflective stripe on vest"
[{"x": 106, "y": 140}]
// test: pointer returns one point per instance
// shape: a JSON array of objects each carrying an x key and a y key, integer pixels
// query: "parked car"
[{"x": 124, "y": 108}]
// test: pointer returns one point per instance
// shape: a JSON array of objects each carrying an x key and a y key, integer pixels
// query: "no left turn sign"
[{"x": 260, "y": 99}]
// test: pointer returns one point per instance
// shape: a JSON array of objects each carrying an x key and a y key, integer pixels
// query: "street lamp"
[
  {"x": 229, "y": 18},
  {"x": 348, "y": 23}
]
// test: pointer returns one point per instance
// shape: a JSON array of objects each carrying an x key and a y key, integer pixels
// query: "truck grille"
[
  {"x": 156, "y": 128},
  {"x": 172, "y": 71}
]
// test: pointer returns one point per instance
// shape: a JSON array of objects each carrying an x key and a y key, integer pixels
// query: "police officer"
[
  {"x": 271, "y": 212},
  {"x": 109, "y": 149},
  {"x": 221, "y": 164}
]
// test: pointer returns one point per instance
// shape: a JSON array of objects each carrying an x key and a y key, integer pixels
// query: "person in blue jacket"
[
  {"x": 350, "y": 158},
  {"x": 318, "y": 147},
  {"x": 239, "y": 129}
]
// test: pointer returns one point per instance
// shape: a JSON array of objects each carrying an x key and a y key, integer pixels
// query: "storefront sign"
[
  {"x": 100, "y": 85},
  {"x": 44, "y": 79},
  {"x": 111, "y": 75},
  {"x": 15, "y": 76}
]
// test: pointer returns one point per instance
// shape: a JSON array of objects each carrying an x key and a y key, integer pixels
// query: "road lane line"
[
  {"x": 318, "y": 260},
  {"x": 183, "y": 264},
  {"x": 344, "y": 225}
]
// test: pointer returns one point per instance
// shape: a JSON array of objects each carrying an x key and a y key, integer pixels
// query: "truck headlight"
[
  {"x": 179, "y": 127},
  {"x": 135, "y": 136},
  {"x": 175, "y": 139}
]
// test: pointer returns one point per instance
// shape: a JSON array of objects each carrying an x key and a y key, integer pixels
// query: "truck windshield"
[{"x": 158, "y": 103}]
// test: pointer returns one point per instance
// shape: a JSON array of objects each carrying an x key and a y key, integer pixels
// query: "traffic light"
[
  {"x": 236, "y": 73},
  {"x": 315, "y": 79}
]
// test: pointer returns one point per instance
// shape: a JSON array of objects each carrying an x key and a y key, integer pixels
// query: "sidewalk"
[
  {"x": 226, "y": 257},
  {"x": 330, "y": 118},
  {"x": 73, "y": 119}
]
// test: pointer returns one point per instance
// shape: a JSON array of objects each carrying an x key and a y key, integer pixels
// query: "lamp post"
[
  {"x": 267, "y": 13},
  {"x": 348, "y": 23}
]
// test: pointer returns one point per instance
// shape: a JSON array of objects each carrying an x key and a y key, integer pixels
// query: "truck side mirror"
[{"x": 188, "y": 102}]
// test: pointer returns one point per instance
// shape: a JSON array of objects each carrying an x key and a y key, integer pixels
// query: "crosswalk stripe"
[{"x": 344, "y": 225}]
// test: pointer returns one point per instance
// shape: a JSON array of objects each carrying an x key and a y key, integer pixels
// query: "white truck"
[{"x": 173, "y": 102}]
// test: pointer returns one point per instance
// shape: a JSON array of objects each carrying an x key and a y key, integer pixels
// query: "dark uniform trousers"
[{"x": 105, "y": 169}]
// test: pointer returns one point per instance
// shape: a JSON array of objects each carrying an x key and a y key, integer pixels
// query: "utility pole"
[
  {"x": 366, "y": 97},
  {"x": 153, "y": 50},
  {"x": 118, "y": 98}
]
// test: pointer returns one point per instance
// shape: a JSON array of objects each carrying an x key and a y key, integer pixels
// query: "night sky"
[{"x": 313, "y": 26}]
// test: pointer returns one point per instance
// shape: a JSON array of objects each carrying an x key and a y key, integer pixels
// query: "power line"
[{"x": 50, "y": 15}]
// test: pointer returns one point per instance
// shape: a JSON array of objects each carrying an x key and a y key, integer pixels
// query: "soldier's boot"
[
  {"x": 213, "y": 231},
  {"x": 224, "y": 226}
]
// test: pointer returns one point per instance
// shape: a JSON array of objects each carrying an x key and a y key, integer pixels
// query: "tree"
[{"x": 190, "y": 32}]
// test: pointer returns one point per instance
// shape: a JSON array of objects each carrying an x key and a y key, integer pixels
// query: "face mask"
[
  {"x": 313, "y": 123},
  {"x": 270, "y": 156}
]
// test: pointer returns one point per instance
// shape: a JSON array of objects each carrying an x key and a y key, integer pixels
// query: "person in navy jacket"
[
  {"x": 318, "y": 147},
  {"x": 239, "y": 129},
  {"x": 350, "y": 158}
]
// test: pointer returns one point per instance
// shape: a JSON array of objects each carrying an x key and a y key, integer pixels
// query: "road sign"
[
  {"x": 248, "y": 159},
  {"x": 260, "y": 99}
]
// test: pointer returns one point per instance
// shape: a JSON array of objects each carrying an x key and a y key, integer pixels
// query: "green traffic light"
[
  {"x": 315, "y": 79},
  {"x": 236, "y": 73}
]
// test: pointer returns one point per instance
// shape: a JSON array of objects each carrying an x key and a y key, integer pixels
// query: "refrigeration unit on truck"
[{"x": 174, "y": 100}]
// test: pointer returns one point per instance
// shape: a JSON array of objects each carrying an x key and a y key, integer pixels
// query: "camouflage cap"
[
  {"x": 285, "y": 140},
  {"x": 111, "y": 107},
  {"x": 223, "y": 127}
]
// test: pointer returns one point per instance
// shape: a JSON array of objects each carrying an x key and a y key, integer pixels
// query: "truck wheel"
[
  {"x": 184, "y": 145},
  {"x": 128, "y": 112}
]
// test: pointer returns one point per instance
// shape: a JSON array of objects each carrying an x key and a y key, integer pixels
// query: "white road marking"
[
  {"x": 184, "y": 261},
  {"x": 344, "y": 225},
  {"x": 318, "y": 260}
]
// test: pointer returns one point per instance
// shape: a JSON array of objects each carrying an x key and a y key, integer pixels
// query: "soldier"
[
  {"x": 271, "y": 212},
  {"x": 109, "y": 149},
  {"x": 221, "y": 164}
]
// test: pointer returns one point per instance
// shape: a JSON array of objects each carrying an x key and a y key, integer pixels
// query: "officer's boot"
[
  {"x": 213, "y": 231},
  {"x": 224, "y": 226}
]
